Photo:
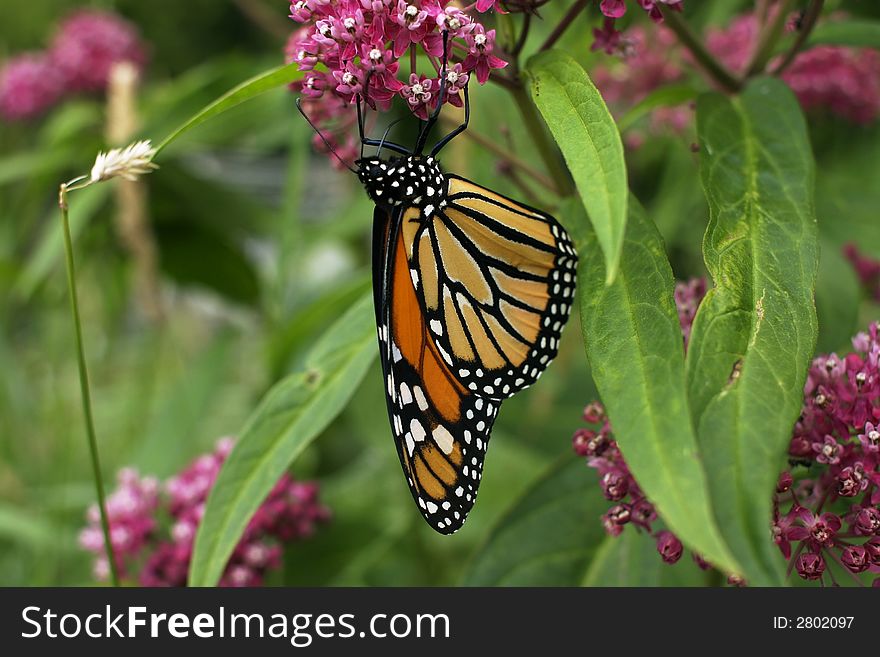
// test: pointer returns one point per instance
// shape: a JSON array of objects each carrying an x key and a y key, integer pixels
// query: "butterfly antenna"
[{"x": 323, "y": 138}]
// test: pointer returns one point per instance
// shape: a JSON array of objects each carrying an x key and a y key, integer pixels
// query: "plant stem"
[
  {"x": 808, "y": 22},
  {"x": 564, "y": 24},
  {"x": 715, "y": 69},
  {"x": 549, "y": 153},
  {"x": 84, "y": 382},
  {"x": 512, "y": 160},
  {"x": 767, "y": 40}
]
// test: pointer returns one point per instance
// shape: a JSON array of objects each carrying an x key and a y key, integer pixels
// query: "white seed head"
[{"x": 129, "y": 162}]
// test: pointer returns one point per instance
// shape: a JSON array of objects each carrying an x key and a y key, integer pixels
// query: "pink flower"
[
  {"x": 419, "y": 94},
  {"x": 352, "y": 49},
  {"x": 480, "y": 58},
  {"x": 29, "y": 86},
  {"x": 613, "y": 8},
  {"x": 87, "y": 45},
  {"x": 485, "y": 5},
  {"x": 290, "y": 512},
  {"x": 669, "y": 547},
  {"x": 810, "y": 566}
]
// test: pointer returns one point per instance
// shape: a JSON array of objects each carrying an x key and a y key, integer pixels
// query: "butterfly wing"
[
  {"x": 496, "y": 280},
  {"x": 441, "y": 428}
]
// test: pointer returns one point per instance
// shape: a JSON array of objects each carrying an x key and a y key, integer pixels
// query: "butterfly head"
[{"x": 414, "y": 181}]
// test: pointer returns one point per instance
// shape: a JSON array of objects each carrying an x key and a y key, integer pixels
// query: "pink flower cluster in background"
[
  {"x": 867, "y": 269},
  {"x": 843, "y": 81},
  {"x": 161, "y": 558},
  {"x": 827, "y": 507},
  {"x": 839, "y": 80},
  {"x": 359, "y": 45},
  {"x": 83, "y": 50},
  {"x": 617, "y": 8}
]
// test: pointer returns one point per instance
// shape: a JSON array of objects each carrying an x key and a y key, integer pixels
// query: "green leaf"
[
  {"x": 754, "y": 334},
  {"x": 666, "y": 96},
  {"x": 245, "y": 91},
  {"x": 549, "y": 536},
  {"x": 585, "y": 131},
  {"x": 634, "y": 342},
  {"x": 631, "y": 559},
  {"x": 859, "y": 33},
  {"x": 291, "y": 415},
  {"x": 837, "y": 299}
]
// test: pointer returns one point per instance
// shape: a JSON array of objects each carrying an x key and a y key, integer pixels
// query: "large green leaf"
[
  {"x": 634, "y": 342},
  {"x": 583, "y": 127},
  {"x": 549, "y": 536},
  {"x": 245, "y": 91},
  {"x": 755, "y": 332},
  {"x": 288, "y": 419}
]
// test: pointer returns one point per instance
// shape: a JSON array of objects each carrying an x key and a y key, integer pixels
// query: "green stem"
[
  {"x": 715, "y": 69},
  {"x": 564, "y": 24},
  {"x": 811, "y": 17},
  {"x": 535, "y": 126},
  {"x": 509, "y": 158},
  {"x": 767, "y": 40},
  {"x": 84, "y": 383}
]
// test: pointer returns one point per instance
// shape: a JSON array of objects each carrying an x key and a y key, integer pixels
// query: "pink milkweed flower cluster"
[
  {"x": 833, "y": 512},
  {"x": 843, "y": 81},
  {"x": 597, "y": 444},
  {"x": 867, "y": 270},
  {"x": 152, "y": 530},
  {"x": 81, "y": 54},
  {"x": 617, "y": 8},
  {"x": 353, "y": 48}
]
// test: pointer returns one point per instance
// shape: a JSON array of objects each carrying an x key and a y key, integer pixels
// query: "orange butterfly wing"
[{"x": 440, "y": 427}]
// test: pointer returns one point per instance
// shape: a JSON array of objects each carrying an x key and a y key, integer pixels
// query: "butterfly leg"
[
  {"x": 365, "y": 141},
  {"x": 432, "y": 119},
  {"x": 467, "y": 116}
]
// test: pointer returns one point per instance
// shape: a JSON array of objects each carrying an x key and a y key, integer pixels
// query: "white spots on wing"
[
  {"x": 445, "y": 354},
  {"x": 410, "y": 444},
  {"x": 467, "y": 436},
  {"x": 459, "y": 491},
  {"x": 420, "y": 398},
  {"x": 415, "y": 277},
  {"x": 436, "y": 326},
  {"x": 443, "y": 438},
  {"x": 409, "y": 190},
  {"x": 463, "y": 372},
  {"x": 432, "y": 508},
  {"x": 405, "y": 394},
  {"x": 418, "y": 431},
  {"x": 481, "y": 425}
]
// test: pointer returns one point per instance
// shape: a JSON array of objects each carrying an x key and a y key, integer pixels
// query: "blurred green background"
[{"x": 262, "y": 245}]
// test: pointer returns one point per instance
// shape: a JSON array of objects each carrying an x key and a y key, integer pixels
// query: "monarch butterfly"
[{"x": 471, "y": 292}]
